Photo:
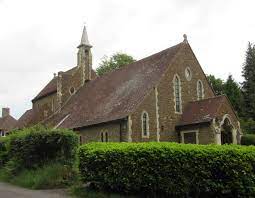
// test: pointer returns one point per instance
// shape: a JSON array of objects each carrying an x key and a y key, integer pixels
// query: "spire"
[{"x": 84, "y": 38}]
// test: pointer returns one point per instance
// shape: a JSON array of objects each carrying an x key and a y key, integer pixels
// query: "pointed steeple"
[
  {"x": 84, "y": 38},
  {"x": 84, "y": 57}
]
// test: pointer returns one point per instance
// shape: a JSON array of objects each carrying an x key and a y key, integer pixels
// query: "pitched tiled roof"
[
  {"x": 7, "y": 123},
  {"x": 51, "y": 87},
  {"x": 25, "y": 119},
  {"x": 116, "y": 94},
  {"x": 201, "y": 111}
]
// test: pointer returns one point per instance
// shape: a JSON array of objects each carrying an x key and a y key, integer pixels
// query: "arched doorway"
[{"x": 226, "y": 132}]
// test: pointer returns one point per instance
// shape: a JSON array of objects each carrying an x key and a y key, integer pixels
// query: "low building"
[
  {"x": 7, "y": 122},
  {"x": 163, "y": 97}
]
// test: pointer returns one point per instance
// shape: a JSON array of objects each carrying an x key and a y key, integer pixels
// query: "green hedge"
[
  {"x": 248, "y": 139},
  {"x": 169, "y": 168},
  {"x": 37, "y": 146},
  {"x": 3, "y": 151}
]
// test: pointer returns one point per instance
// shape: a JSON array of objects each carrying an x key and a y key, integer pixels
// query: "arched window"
[
  {"x": 106, "y": 137},
  {"x": 80, "y": 140},
  {"x": 102, "y": 137},
  {"x": 200, "y": 90},
  {"x": 145, "y": 124},
  {"x": 177, "y": 94}
]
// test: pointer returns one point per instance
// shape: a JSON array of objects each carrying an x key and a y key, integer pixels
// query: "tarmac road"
[{"x": 10, "y": 191}]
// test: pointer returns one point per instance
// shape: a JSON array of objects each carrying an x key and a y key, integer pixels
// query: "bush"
[
  {"x": 248, "y": 139},
  {"x": 3, "y": 151},
  {"x": 169, "y": 168},
  {"x": 38, "y": 146}
]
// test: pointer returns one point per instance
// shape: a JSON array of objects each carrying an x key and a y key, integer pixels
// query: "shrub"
[
  {"x": 169, "y": 168},
  {"x": 3, "y": 151},
  {"x": 248, "y": 139},
  {"x": 37, "y": 146}
]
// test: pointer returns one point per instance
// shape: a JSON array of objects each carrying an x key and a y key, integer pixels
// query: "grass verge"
[{"x": 47, "y": 177}]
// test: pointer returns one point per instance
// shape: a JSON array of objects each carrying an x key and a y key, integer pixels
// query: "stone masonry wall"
[
  {"x": 116, "y": 132},
  {"x": 166, "y": 105},
  {"x": 44, "y": 107}
]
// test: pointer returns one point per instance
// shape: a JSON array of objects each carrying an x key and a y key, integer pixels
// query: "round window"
[
  {"x": 188, "y": 73},
  {"x": 72, "y": 90}
]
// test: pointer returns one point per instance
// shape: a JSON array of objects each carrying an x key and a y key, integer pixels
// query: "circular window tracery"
[{"x": 188, "y": 74}]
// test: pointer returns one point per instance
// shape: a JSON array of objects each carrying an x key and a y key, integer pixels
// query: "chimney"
[{"x": 5, "y": 112}]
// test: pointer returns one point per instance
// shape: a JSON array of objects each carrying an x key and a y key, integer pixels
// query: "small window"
[
  {"x": 177, "y": 94},
  {"x": 106, "y": 137},
  {"x": 80, "y": 140},
  {"x": 72, "y": 90},
  {"x": 200, "y": 90},
  {"x": 53, "y": 105},
  {"x": 188, "y": 74},
  {"x": 102, "y": 137},
  {"x": 189, "y": 137},
  {"x": 145, "y": 124},
  {"x": 45, "y": 113}
]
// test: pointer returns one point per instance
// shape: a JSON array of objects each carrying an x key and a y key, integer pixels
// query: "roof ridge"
[{"x": 140, "y": 60}]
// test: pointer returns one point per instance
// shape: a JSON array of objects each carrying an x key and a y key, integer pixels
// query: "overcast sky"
[{"x": 38, "y": 38}]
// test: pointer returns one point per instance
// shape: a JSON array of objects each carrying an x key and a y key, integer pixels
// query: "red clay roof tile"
[
  {"x": 116, "y": 94},
  {"x": 7, "y": 123},
  {"x": 201, "y": 111},
  {"x": 25, "y": 119}
]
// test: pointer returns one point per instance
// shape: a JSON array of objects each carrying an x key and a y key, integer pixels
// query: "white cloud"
[{"x": 38, "y": 38}]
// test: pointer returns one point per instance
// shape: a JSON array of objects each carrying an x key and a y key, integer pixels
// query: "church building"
[{"x": 163, "y": 97}]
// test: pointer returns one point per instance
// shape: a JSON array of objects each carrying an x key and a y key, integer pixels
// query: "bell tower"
[{"x": 84, "y": 57}]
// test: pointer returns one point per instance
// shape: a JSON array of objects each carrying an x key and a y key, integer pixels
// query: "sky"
[{"x": 39, "y": 38}]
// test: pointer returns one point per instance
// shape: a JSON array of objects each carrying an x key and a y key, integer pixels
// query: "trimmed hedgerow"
[
  {"x": 248, "y": 139},
  {"x": 37, "y": 146},
  {"x": 169, "y": 168}
]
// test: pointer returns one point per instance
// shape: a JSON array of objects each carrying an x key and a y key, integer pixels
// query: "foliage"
[
  {"x": 217, "y": 84},
  {"x": 170, "y": 168},
  {"x": 37, "y": 146},
  {"x": 248, "y": 85},
  {"x": 116, "y": 61},
  {"x": 233, "y": 91},
  {"x": 248, "y": 139},
  {"x": 53, "y": 175},
  {"x": 247, "y": 126},
  {"x": 3, "y": 151}
]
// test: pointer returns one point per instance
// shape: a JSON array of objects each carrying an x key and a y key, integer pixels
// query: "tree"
[
  {"x": 248, "y": 85},
  {"x": 234, "y": 93},
  {"x": 116, "y": 61},
  {"x": 231, "y": 89},
  {"x": 217, "y": 84}
]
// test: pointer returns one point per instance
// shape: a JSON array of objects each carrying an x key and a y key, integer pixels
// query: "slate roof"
[
  {"x": 202, "y": 111},
  {"x": 7, "y": 123},
  {"x": 116, "y": 94},
  {"x": 51, "y": 87},
  {"x": 25, "y": 119}
]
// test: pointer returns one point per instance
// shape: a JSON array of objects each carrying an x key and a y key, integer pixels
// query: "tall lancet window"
[
  {"x": 177, "y": 94},
  {"x": 145, "y": 124},
  {"x": 200, "y": 90}
]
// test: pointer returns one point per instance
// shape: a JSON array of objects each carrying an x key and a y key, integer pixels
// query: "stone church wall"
[
  {"x": 116, "y": 132},
  {"x": 166, "y": 105},
  {"x": 44, "y": 107}
]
